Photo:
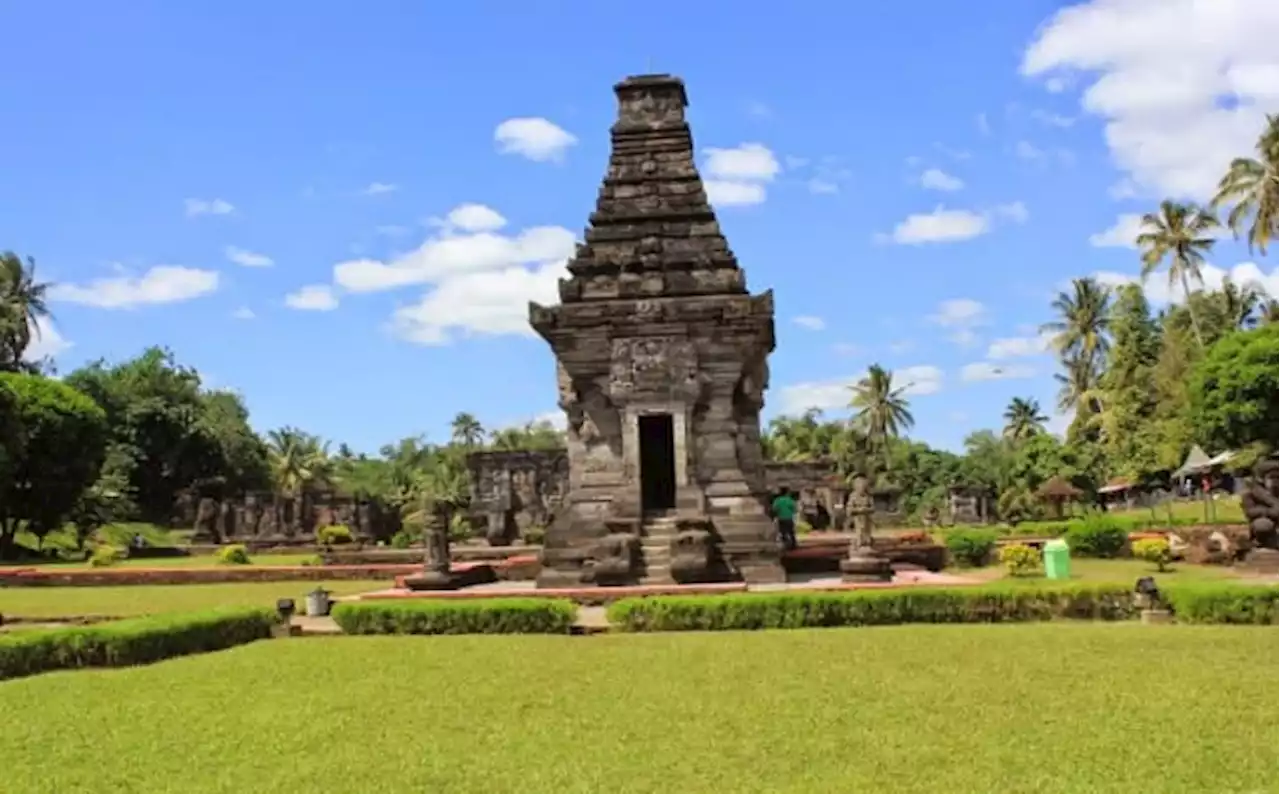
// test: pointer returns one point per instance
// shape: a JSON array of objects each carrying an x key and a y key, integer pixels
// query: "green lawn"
[
  {"x": 126, "y": 601},
  {"x": 1017, "y": 708},
  {"x": 1124, "y": 571}
]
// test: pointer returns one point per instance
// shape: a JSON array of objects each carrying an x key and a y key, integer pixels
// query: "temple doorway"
[{"x": 657, "y": 462}]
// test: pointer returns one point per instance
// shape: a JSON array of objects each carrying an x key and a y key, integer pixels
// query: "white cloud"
[
  {"x": 955, "y": 154},
  {"x": 489, "y": 302},
  {"x": 901, "y": 345},
  {"x": 759, "y": 110},
  {"x": 196, "y": 207},
  {"x": 46, "y": 342},
  {"x": 1017, "y": 347},
  {"x": 734, "y": 194},
  {"x": 159, "y": 284},
  {"x": 939, "y": 226},
  {"x": 1052, "y": 119},
  {"x": 391, "y": 230},
  {"x": 809, "y": 322},
  {"x": 1014, "y": 211},
  {"x": 534, "y": 138},
  {"x": 1056, "y": 85},
  {"x": 937, "y": 179},
  {"x": 1174, "y": 116},
  {"x": 985, "y": 370},
  {"x": 984, "y": 125},
  {"x": 475, "y": 218},
  {"x": 820, "y": 187},
  {"x": 248, "y": 258},
  {"x": 379, "y": 188},
  {"x": 737, "y": 176},
  {"x": 243, "y": 313},
  {"x": 835, "y": 394},
  {"x": 1159, "y": 291},
  {"x": 1027, "y": 151},
  {"x": 1122, "y": 233},
  {"x": 959, "y": 313},
  {"x": 312, "y": 298}
]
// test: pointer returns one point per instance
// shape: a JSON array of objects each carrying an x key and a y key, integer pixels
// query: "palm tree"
[
  {"x": 1250, "y": 186},
  {"x": 1022, "y": 419},
  {"x": 1271, "y": 311},
  {"x": 1078, "y": 386},
  {"x": 1182, "y": 234},
  {"x": 1084, "y": 321},
  {"x": 22, "y": 306},
  {"x": 1241, "y": 302},
  {"x": 299, "y": 460},
  {"x": 880, "y": 409},
  {"x": 467, "y": 430}
]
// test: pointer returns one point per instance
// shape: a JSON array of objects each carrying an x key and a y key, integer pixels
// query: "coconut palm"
[
  {"x": 1240, "y": 302},
  {"x": 1078, "y": 385},
  {"x": 880, "y": 409},
  {"x": 467, "y": 430},
  {"x": 1250, "y": 188},
  {"x": 1022, "y": 419},
  {"x": 1084, "y": 319},
  {"x": 299, "y": 460},
  {"x": 1182, "y": 234},
  {"x": 22, "y": 306}
]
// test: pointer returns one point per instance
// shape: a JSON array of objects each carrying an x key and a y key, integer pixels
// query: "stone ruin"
[
  {"x": 661, "y": 363},
  {"x": 272, "y": 518},
  {"x": 822, "y": 490},
  {"x": 515, "y": 492}
]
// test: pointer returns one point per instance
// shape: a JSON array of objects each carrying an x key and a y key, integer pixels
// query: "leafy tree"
[
  {"x": 467, "y": 430},
  {"x": 22, "y": 305},
  {"x": 299, "y": 461},
  {"x": 881, "y": 409},
  {"x": 1127, "y": 385},
  {"x": 1250, "y": 187},
  {"x": 1233, "y": 391},
  {"x": 1181, "y": 234},
  {"x": 1022, "y": 419},
  {"x": 531, "y": 435},
  {"x": 54, "y": 442}
]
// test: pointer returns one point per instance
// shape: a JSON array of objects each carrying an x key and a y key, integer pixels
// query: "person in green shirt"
[{"x": 784, "y": 512}]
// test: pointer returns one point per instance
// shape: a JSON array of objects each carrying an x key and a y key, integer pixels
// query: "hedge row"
[
  {"x": 129, "y": 642},
  {"x": 487, "y": 616},
  {"x": 986, "y": 604}
]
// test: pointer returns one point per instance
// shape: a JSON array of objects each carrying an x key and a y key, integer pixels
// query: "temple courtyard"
[{"x": 1026, "y": 708}]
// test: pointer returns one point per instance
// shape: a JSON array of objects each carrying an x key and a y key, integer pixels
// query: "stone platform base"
[
  {"x": 448, "y": 580},
  {"x": 866, "y": 565},
  {"x": 1262, "y": 561}
]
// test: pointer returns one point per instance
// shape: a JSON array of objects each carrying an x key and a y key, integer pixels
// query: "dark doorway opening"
[{"x": 657, "y": 462}]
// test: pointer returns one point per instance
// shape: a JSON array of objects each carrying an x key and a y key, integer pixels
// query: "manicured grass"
[
  {"x": 1032, "y": 708},
  {"x": 127, "y": 601},
  {"x": 1124, "y": 571}
]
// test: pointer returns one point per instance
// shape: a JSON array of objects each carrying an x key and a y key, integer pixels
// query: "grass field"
[
  {"x": 1030, "y": 708},
  {"x": 1125, "y": 571},
  {"x": 127, "y": 601}
]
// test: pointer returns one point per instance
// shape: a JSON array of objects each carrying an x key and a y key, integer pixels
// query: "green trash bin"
[{"x": 1057, "y": 559}]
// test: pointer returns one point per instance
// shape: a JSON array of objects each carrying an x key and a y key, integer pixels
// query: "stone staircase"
[{"x": 656, "y": 534}]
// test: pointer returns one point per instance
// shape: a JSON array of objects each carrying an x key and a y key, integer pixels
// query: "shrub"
[
  {"x": 315, "y": 560},
  {"x": 534, "y": 536},
  {"x": 430, "y": 616},
  {"x": 403, "y": 539},
  {"x": 971, "y": 547},
  {"x": 334, "y": 535},
  {"x": 1231, "y": 603},
  {"x": 990, "y": 604},
  {"x": 235, "y": 554},
  {"x": 1097, "y": 535},
  {"x": 106, "y": 556},
  {"x": 1154, "y": 550},
  {"x": 130, "y": 642},
  {"x": 1020, "y": 559}
]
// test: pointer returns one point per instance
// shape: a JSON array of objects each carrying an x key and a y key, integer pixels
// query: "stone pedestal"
[
  {"x": 865, "y": 564},
  {"x": 1262, "y": 561},
  {"x": 432, "y": 580},
  {"x": 1152, "y": 617}
]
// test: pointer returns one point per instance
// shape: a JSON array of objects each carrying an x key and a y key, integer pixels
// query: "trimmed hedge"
[
  {"x": 871, "y": 608},
  {"x": 129, "y": 642},
  {"x": 987, "y": 604},
  {"x": 443, "y": 616}
]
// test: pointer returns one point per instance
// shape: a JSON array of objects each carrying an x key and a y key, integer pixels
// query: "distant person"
[{"x": 784, "y": 512}]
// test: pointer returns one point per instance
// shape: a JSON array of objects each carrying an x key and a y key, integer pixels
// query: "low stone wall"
[
  {"x": 344, "y": 555},
  {"x": 105, "y": 577},
  {"x": 821, "y": 553}
]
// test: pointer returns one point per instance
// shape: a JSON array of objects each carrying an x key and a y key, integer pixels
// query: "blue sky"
[{"x": 340, "y": 210}]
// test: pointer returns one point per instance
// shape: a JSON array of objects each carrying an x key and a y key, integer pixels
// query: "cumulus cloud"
[
  {"x": 986, "y": 370},
  {"x": 490, "y": 302},
  {"x": 1174, "y": 116},
  {"x": 1122, "y": 234},
  {"x": 534, "y": 138},
  {"x": 835, "y": 394},
  {"x": 475, "y": 218},
  {"x": 1018, "y": 347},
  {"x": 961, "y": 316},
  {"x": 379, "y": 188},
  {"x": 738, "y": 176},
  {"x": 312, "y": 298},
  {"x": 243, "y": 313},
  {"x": 248, "y": 258},
  {"x": 196, "y": 207},
  {"x": 1052, "y": 119},
  {"x": 1159, "y": 291},
  {"x": 809, "y": 322},
  {"x": 159, "y": 284},
  {"x": 945, "y": 226},
  {"x": 820, "y": 187},
  {"x": 46, "y": 342},
  {"x": 937, "y": 179}
]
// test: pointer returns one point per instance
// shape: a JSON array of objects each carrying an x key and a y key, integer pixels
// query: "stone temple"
[{"x": 662, "y": 363}]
